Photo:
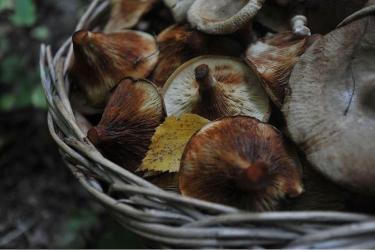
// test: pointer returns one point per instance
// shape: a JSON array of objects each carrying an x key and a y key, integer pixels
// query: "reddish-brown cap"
[
  {"x": 241, "y": 162},
  {"x": 135, "y": 108},
  {"x": 101, "y": 60}
]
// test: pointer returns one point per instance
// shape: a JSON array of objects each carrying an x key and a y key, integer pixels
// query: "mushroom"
[
  {"x": 274, "y": 58},
  {"x": 180, "y": 43},
  {"x": 330, "y": 105},
  {"x": 134, "y": 110},
  {"x": 101, "y": 60},
  {"x": 298, "y": 23},
  {"x": 214, "y": 87},
  {"x": 222, "y": 16},
  {"x": 126, "y": 14},
  {"x": 241, "y": 162}
]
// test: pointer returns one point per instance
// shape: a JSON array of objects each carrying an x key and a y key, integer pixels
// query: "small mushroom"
[
  {"x": 134, "y": 110},
  {"x": 214, "y": 87},
  {"x": 180, "y": 43},
  {"x": 222, "y": 16},
  {"x": 330, "y": 105},
  {"x": 299, "y": 28},
  {"x": 126, "y": 14},
  {"x": 275, "y": 57},
  {"x": 101, "y": 60},
  {"x": 241, "y": 162}
]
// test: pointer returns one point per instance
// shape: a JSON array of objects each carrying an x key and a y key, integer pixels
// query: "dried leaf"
[{"x": 168, "y": 142}]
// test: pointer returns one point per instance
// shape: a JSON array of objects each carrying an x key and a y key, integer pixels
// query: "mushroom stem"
[
  {"x": 204, "y": 77},
  {"x": 180, "y": 9},
  {"x": 254, "y": 177},
  {"x": 298, "y": 24}
]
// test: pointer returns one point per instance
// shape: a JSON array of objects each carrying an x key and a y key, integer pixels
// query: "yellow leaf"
[{"x": 169, "y": 141}]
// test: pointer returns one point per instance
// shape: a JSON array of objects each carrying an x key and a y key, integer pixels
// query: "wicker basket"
[{"x": 168, "y": 220}]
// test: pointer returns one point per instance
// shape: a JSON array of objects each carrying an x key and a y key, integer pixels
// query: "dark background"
[{"x": 42, "y": 205}]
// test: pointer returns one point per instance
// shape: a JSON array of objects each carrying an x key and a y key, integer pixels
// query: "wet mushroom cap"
[
  {"x": 241, "y": 162},
  {"x": 222, "y": 16},
  {"x": 236, "y": 90},
  {"x": 135, "y": 108},
  {"x": 101, "y": 60},
  {"x": 330, "y": 108},
  {"x": 126, "y": 14},
  {"x": 275, "y": 57}
]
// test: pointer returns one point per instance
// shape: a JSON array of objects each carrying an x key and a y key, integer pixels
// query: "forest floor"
[{"x": 42, "y": 205}]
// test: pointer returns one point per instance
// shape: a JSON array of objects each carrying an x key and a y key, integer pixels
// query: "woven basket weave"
[{"x": 168, "y": 220}]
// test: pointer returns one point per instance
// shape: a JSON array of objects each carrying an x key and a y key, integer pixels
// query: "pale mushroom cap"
[
  {"x": 330, "y": 112},
  {"x": 241, "y": 88},
  {"x": 222, "y": 16}
]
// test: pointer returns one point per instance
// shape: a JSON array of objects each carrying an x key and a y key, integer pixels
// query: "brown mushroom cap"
[
  {"x": 180, "y": 43},
  {"x": 126, "y": 14},
  {"x": 134, "y": 110},
  {"x": 236, "y": 89},
  {"x": 241, "y": 162},
  {"x": 222, "y": 16},
  {"x": 330, "y": 112},
  {"x": 275, "y": 57},
  {"x": 101, "y": 60}
]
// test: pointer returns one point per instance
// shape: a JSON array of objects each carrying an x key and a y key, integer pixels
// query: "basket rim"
[{"x": 168, "y": 219}]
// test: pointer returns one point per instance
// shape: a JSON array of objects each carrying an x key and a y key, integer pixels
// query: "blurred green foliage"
[
  {"x": 20, "y": 87},
  {"x": 24, "y": 14}
]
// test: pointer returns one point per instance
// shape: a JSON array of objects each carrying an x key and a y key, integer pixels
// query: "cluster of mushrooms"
[{"x": 280, "y": 82}]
